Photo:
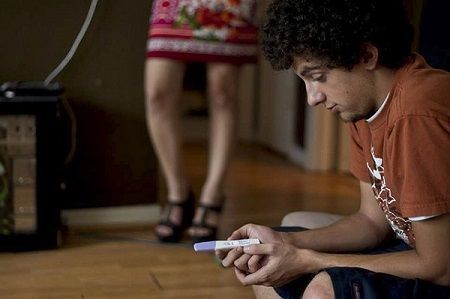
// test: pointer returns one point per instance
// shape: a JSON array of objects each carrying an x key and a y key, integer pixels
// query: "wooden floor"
[{"x": 126, "y": 262}]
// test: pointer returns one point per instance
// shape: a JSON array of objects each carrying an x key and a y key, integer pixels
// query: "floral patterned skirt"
[{"x": 204, "y": 30}]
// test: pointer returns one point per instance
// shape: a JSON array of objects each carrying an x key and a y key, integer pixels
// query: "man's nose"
[{"x": 315, "y": 97}]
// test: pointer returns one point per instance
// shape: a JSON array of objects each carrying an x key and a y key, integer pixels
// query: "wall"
[
  {"x": 277, "y": 129},
  {"x": 113, "y": 164}
]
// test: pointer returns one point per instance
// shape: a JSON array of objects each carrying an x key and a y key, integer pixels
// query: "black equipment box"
[{"x": 29, "y": 169}]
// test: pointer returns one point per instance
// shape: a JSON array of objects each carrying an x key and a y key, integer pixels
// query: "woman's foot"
[
  {"x": 206, "y": 221},
  {"x": 177, "y": 216}
]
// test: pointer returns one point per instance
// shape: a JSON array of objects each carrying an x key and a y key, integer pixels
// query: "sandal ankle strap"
[
  {"x": 217, "y": 209},
  {"x": 185, "y": 203}
]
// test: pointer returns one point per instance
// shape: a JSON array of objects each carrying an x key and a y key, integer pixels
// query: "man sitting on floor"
[{"x": 355, "y": 59}]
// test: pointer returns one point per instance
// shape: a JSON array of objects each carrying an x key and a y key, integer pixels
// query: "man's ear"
[{"x": 369, "y": 56}]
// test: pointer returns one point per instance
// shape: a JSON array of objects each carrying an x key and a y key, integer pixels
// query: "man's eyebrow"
[{"x": 308, "y": 69}]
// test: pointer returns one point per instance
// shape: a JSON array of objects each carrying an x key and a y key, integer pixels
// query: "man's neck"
[{"x": 384, "y": 80}]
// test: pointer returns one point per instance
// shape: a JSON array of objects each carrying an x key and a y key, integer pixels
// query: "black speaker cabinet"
[{"x": 29, "y": 168}]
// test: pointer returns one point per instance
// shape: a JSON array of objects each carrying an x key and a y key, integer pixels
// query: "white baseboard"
[{"x": 141, "y": 214}]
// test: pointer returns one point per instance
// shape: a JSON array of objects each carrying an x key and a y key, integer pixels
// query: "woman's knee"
[
  {"x": 159, "y": 100},
  {"x": 163, "y": 84},
  {"x": 222, "y": 85},
  {"x": 221, "y": 98}
]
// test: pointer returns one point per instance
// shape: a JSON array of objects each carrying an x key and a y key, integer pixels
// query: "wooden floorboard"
[{"x": 126, "y": 262}]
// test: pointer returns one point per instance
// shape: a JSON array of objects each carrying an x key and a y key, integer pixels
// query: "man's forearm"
[
  {"x": 429, "y": 260},
  {"x": 355, "y": 232},
  {"x": 407, "y": 264}
]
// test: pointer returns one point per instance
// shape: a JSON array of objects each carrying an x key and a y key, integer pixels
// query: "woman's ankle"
[{"x": 213, "y": 198}]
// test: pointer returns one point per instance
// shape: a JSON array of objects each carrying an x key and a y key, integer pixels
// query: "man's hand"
[
  {"x": 272, "y": 263},
  {"x": 245, "y": 262},
  {"x": 279, "y": 263}
]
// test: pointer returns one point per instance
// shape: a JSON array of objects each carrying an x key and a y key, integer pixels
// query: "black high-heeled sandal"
[
  {"x": 212, "y": 230},
  {"x": 188, "y": 208}
]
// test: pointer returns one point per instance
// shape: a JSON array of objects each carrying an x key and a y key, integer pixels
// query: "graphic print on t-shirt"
[{"x": 388, "y": 204}]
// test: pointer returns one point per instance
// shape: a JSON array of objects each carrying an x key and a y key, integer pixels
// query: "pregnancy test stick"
[{"x": 218, "y": 245}]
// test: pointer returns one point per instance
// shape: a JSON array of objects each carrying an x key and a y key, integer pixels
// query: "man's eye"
[{"x": 318, "y": 77}]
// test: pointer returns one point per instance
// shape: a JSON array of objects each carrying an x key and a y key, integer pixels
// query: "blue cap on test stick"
[{"x": 205, "y": 246}]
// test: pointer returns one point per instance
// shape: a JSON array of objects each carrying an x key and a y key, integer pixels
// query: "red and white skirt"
[{"x": 204, "y": 30}]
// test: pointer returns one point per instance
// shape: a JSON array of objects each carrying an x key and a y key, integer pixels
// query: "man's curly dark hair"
[{"x": 334, "y": 32}]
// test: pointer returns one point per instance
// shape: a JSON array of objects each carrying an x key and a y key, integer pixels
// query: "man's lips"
[{"x": 331, "y": 107}]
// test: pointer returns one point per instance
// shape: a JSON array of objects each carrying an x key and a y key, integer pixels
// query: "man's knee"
[
  {"x": 320, "y": 286},
  {"x": 310, "y": 220},
  {"x": 262, "y": 292}
]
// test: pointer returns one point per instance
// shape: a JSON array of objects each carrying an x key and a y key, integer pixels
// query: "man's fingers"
[
  {"x": 221, "y": 254},
  {"x": 241, "y": 262},
  {"x": 244, "y": 232},
  {"x": 240, "y": 275},
  {"x": 253, "y": 263},
  {"x": 247, "y": 279},
  {"x": 250, "y": 279},
  {"x": 261, "y": 249},
  {"x": 241, "y": 233},
  {"x": 231, "y": 256}
]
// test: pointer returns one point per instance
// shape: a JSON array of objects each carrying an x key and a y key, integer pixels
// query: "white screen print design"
[{"x": 400, "y": 225}]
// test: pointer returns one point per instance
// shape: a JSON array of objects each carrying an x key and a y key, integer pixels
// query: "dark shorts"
[{"x": 361, "y": 283}]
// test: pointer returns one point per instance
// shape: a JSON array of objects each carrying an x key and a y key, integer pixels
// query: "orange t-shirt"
[{"x": 405, "y": 151}]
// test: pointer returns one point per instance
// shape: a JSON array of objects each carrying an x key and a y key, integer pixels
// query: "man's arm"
[
  {"x": 430, "y": 260},
  {"x": 365, "y": 229}
]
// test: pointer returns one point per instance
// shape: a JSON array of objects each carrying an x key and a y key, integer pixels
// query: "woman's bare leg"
[
  {"x": 163, "y": 86},
  {"x": 222, "y": 90}
]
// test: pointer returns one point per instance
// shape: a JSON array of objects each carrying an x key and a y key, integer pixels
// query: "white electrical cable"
[{"x": 75, "y": 45}]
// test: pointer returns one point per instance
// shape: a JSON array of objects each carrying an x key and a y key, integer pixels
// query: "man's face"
[{"x": 348, "y": 93}]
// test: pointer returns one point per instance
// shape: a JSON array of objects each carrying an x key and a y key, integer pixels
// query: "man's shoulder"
[
  {"x": 425, "y": 80},
  {"x": 422, "y": 91}
]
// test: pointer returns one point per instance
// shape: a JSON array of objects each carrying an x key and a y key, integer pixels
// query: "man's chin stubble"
[{"x": 350, "y": 118}]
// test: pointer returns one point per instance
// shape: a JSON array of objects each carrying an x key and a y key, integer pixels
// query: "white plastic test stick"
[{"x": 218, "y": 245}]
